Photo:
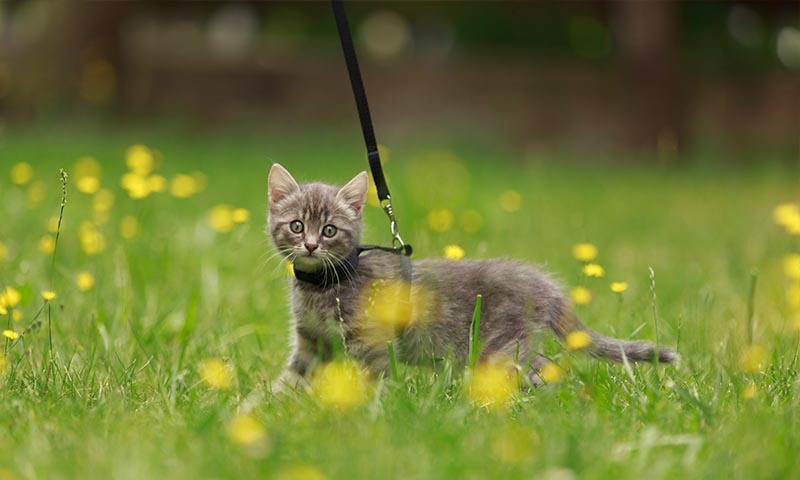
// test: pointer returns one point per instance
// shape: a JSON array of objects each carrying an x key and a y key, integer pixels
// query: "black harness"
[{"x": 347, "y": 268}]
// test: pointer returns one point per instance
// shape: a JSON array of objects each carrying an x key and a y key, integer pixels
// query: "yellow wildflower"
[
  {"x": 3, "y": 252},
  {"x": 619, "y": 287},
  {"x": 86, "y": 167},
  {"x": 88, "y": 185},
  {"x": 510, "y": 201},
  {"x": 585, "y": 252},
  {"x": 440, "y": 220},
  {"x": 139, "y": 159},
  {"x": 372, "y": 194},
  {"x": 753, "y": 359},
  {"x": 183, "y": 186},
  {"x": 10, "y": 297},
  {"x": 3, "y": 310},
  {"x": 136, "y": 185},
  {"x": 47, "y": 244},
  {"x": 10, "y": 334},
  {"x": 453, "y": 252},
  {"x": 290, "y": 268},
  {"x": 581, "y": 295},
  {"x": 103, "y": 200},
  {"x": 36, "y": 193},
  {"x": 578, "y": 340},
  {"x": 341, "y": 384},
  {"x": 793, "y": 297},
  {"x": 300, "y": 472},
  {"x": 750, "y": 391},
  {"x": 216, "y": 374},
  {"x": 221, "y": 218},
  {"x": 156, "y": 183},
  {"x": 21, "y": 173},
  {"x": 593, "y": 270},
  {"x": 471, "y": 221},
  {"x": 786, "y": 214},
  {"x": 85, "y": 281},
  {"x": 493, "y": 383},
  {"x": 129, "y": 227},
  {"x": 240, "y": 215},
  {"x": 791, "y": 266},
  {"x": 551, "y": 373},
  {"x": 52, "y": 224},
  {"x": 246, "y": 430},
  {"x": 48, "y": 295},
  {"x": 92, "y": 241}
]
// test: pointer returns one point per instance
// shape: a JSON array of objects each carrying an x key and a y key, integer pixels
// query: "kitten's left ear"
[
  {"x": 280, "y": 184},
  {"x": 355, "y": 192}
]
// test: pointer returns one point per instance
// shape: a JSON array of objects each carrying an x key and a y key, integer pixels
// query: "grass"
[{"x": 119, "y": 393}]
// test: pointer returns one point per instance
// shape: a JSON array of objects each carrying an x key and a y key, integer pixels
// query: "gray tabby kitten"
[{"x": 365, "y": 301}]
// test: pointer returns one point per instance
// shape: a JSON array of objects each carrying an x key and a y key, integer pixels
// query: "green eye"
[
  {"x": 296, "y": 226},
  {"x": 329, "y": 230}
]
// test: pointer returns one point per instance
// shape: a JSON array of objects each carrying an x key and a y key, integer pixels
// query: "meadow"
[{"x": 142, "y": 330}]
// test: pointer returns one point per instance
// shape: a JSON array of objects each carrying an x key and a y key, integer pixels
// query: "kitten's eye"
[
  {"x": 329, "y": 230},
  {"x": 296, "y": 226}
]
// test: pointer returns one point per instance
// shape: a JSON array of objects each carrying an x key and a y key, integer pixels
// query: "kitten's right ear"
[{"x": 280, "y": 183}]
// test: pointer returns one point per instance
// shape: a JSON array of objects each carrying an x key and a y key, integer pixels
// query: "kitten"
[{"x": 367, "y": 300}]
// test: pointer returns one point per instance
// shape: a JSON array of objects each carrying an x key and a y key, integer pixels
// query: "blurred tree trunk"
[{"x": 648, "y": 36}]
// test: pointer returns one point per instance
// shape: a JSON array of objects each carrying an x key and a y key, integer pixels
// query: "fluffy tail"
[{"x": 612, "y": 348}]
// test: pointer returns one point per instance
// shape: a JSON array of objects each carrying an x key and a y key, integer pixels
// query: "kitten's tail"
[{"x": 612, "y": 348}]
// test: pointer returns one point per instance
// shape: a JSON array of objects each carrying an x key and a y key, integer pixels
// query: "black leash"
[{"x": 366, "y": 125}]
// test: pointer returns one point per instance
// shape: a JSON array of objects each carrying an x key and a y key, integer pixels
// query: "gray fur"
[{"x": 519, "y": 300}]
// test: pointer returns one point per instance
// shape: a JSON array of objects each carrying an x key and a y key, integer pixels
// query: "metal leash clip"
[{"x": 397, "y": 240}]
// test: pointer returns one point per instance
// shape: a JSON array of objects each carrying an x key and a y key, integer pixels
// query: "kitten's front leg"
[{"x": 298, "y": 366}]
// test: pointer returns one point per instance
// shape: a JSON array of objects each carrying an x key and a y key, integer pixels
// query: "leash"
[{"x": 373, "y": 155}]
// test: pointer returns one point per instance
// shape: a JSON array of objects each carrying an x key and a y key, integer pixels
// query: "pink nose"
[{"x": 311, "y": 246}]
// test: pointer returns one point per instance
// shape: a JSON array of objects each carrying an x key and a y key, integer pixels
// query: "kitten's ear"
[
  {"x": 355, "y": 192},
  {"x": 280, "y": 183}
]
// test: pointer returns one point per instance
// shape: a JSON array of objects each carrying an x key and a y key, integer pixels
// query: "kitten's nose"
[{"x": 311, "y": 247}]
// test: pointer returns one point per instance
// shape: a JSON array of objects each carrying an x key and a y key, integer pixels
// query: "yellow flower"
[
  {"x": 139, "y": 159},
  {"x": 48, "y": 295},
  {"x": 300, "y": 472},
  {"x": 3, "y": 252},
  {"x": 221, "y": 218},
  {"x": 619, "y": 287},
  {"x": 10, "y": 334},
  {"x": 21, "y": 173},
  {"x": 216, "y": 374},
  {"x": 85, "y": 281},
  {"x": 290, "y": 268},
  {"x": 372, "y": 194},
  {"x": 246, "y": 430},
  {"x": 551, "y": 373},
  {"x": 514, "y": 444},
  {"x": 103, "y": 200},
  {"x": 3, "y": 310},
  {"x": 440, "y": 220},
  {"x": 578, "y": 340},
  {"x": 183, "y": 186},
  {"x": 240, "y": 215},
  {"x": 92, "y": 241},
  {"x": 593, "y": 270},
  {"x": 791, "y": 266},
  {"x": 471, "y": 221},
  {"x": 510, "y": 201},
  {"x": 753, "y": 359},
  {"x": 493, "y": 383},
  {"x": 136, "y": 185},
  {"x": 9, "y": 297},
  {"x": 87, "y": 167},
  {"x": 585, "y": 252},
  {"x": 786, "y": 214},
  {"x": 750, "y": 391},
  {"x": 581, "y": 295},
  {"x": 88, "y": 185},
  {"x": 36, "y": 193},
  {"x": 52, "y": 224},
  {"x": 47, "y": 244},
  {"x": 453, "y": 252},
  {"x": 341, "y": 384},
  {"x": 156, "y": 183},
  {"x": 129, "y": 227}
]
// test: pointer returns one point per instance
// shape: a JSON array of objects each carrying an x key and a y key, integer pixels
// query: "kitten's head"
[{"x": 314, "y": 224}]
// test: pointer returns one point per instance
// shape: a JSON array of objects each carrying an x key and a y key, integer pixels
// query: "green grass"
[{"x": 119, "y": 394}]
